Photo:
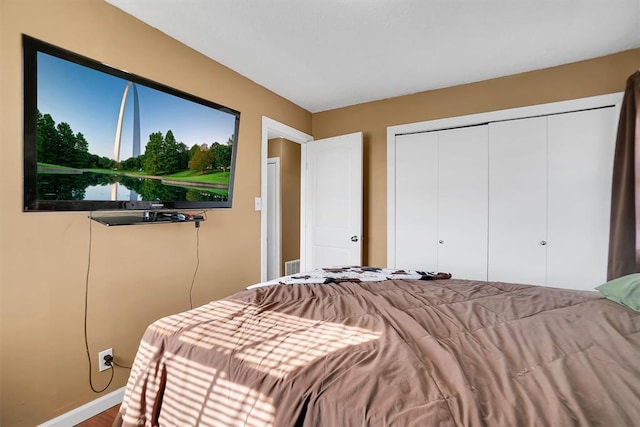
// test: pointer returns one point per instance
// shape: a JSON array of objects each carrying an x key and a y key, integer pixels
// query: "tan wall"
[
  {"x": 138, "y": 273},
  {"x": 577, "y": 80},
  {"x": 289, "y": 153}
]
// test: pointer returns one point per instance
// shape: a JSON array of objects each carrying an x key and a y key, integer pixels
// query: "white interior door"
[
  {"x": 441, "y": 201},
  {"x": 273, "y": 218},
  {"x": 416, "y": 205},
  {"x": 332, "y": 202},
  {"x": 518, "y": 201},
  {"x": 463, "y": 202},
  {"x": 581, "y": 148}
]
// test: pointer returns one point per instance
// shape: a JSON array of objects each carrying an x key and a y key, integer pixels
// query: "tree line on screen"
[{"x": 57, "y": 144}]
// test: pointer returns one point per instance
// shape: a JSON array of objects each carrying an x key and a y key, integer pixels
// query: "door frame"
[
  {"x": 613, "y": 99},
  {"x": 276, "y": 232},
  {"x": 273, "y": 129}
]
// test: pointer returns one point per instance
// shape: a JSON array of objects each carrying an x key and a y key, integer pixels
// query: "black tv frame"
[{"x": 31, "y": 46}]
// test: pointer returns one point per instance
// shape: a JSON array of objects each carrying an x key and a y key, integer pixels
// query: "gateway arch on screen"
[
  {"x": 136, "y": 123},
  {"x": 136, "y": 135}
]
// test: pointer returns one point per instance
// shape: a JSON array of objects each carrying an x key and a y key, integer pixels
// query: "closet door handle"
[
  {"x": 441, "y": 242},
  {"x": 354, "y": 238},
  {"x": 543, "y": 242}
]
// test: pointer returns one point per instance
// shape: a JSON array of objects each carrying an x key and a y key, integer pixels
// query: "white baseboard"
[{"x": 87, "y": 410}]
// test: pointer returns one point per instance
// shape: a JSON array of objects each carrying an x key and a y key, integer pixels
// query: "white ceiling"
[{"x": 325, "y": 54}]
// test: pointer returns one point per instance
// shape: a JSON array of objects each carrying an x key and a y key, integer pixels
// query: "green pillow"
[{"x": 624, "y": 290}]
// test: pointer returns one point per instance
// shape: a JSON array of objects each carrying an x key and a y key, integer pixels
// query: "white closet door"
[
  {"x": 518, "y": 201},
  {"x": 416, "y": 207},
  {"x": 463, "y": 202},
  {"x": 581, "y": 147}
]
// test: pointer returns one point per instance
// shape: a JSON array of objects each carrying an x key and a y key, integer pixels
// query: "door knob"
[
  {"x": 543, "y": 242},
  {"x": 354, "y": 238},
  {"x": 441, "y": 242}
]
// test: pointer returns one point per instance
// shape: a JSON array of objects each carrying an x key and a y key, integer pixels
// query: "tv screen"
[{"x": 96, "y": 138}]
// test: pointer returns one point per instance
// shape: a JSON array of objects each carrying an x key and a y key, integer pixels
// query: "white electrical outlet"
[{"x": 101, "y": 365}]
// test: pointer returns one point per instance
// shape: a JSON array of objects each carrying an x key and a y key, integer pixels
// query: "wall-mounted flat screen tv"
[{"x": 97, "y": 138}]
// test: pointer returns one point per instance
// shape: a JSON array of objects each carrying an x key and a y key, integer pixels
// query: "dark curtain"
[{"x": 624, "y": 240}]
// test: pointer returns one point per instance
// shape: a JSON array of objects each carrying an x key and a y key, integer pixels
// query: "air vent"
[{"x": 292, "y": 267}]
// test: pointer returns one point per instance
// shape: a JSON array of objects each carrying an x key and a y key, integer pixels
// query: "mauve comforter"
[{"x": 391, "y": 353}]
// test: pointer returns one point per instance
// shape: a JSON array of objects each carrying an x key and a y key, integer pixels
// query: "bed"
[{"x": 363, "y": 346}]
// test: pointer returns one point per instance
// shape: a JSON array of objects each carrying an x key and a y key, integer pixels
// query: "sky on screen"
[{"x": 89, "y": 100}]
